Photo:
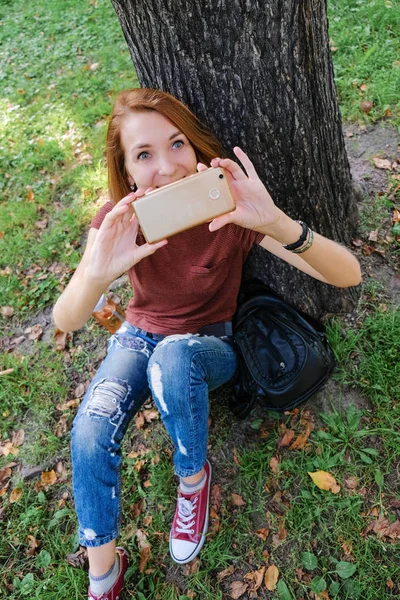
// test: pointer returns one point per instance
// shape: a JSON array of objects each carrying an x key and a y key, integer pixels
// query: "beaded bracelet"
[{"x": 300, "y": 242}]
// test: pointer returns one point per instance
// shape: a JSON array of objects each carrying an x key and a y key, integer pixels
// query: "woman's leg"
[
  {"x": 182, "y": 370},
  {"x": 113, "y": 397}
]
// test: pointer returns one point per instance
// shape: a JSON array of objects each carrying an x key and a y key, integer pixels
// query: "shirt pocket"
[{"x": 206, "y": 281}]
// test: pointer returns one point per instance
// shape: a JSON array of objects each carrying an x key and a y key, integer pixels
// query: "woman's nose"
[{"x": 166, "y": 167}]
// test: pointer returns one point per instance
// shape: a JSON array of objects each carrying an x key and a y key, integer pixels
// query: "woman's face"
[{"x": 156, "y": 152}]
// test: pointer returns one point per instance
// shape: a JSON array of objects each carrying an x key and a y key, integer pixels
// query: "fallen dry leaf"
[
  {"x": 216, "y": 498},
  {"x": 262, "y": 533},
  {"x": 347, "y": 549},
  {"x": 36, "y": 333},
  {"x": 69, "y": 404},
  {"x": 5, "y": 473},
  {"x": 15, "y": 495},
  {"x": 78, "y": 559},
  {"x": 390, "y": 584},
  {"x": 237, "y": 589},
  {"x": 7, "y": 448},
  {"x": 271, "y": 577},
  {"x": 61, "y": 427},
  {"x": 382, "y": 163},
  {"x": 236, "y": 458},
  {"x": 33, "y": 544},
  {"x": 62, "y": 338},
  {"x": 155, "y": 460},
  {"x": 373, "y": 235},
  {"x": 48, "y": 477},
  {"x": 7, "y": 311},
  {"x": 150, "y": 415},
  {"x": 139, "y": 464},
  {"x": 301, "y": 440},
  {"x": 274, "y": 464},
  {"x": 147, "y": 520},
  {"x": 138, "y": 508},
  {"x": 366, "y": 106},
  {"x": 237, "y": 500},
  {"x": 144, "y": 549},
  {"x": 325, "y": 481},
  {"x": 286, "y": 439},
  {"x": 351, "y": 483},
  {"x": 255, "y": 578},
  {"x": 139, "y": 420},
  {"x": 382, "y": 527},
  {"x": 225, "y": 573},
  {"x": 147, "y": 484},
  {"x": 79, "y": 390},
  {"x": 41, "y": 224},
  {"x": 18, "y": 437}
]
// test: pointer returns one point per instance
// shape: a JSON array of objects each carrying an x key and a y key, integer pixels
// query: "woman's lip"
[{"x": 161, "y": 186}]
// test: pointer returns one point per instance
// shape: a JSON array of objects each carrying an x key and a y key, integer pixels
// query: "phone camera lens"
[{"x": 220, "y": 176}]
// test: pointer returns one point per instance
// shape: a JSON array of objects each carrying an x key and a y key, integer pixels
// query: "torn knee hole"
[{"x": 106, "y": 398}]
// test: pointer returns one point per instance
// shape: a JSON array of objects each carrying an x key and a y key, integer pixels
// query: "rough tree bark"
[{"x": 259, "y": 74}]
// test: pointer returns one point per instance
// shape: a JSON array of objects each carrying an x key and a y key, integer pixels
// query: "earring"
[{"x": 133, "y": 187}]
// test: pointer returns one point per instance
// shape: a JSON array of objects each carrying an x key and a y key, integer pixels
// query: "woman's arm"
[
  {"x": 325, "y": 260},
  {"x": 76, "y": 303},
  {"x": 111, "y": 251}
]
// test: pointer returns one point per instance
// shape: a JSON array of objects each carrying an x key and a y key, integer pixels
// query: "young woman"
[{"x": 173, "y": 343}]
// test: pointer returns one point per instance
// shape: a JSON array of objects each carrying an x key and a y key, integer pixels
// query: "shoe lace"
[{"x": 186, "y": 515}]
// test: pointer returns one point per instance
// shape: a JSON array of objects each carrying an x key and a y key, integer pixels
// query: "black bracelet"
[{"x": 301, "y": 239}]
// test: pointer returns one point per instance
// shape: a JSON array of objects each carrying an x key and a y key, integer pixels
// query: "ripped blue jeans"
[{"x": 179, "y": 371}]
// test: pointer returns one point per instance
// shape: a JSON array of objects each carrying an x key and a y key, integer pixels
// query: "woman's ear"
[{"x": 132, "y": 184}]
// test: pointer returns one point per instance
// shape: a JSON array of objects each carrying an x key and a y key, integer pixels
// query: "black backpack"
[{"x": 284, "y": 356}]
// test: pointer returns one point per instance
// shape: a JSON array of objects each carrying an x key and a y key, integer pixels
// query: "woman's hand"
[
  {"x": 255, "y": 208},
  {"x": 115, "y": 249}
]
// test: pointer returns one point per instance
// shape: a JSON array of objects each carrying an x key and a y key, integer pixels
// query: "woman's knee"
[
  {"x": 172, "y": 357},
  {"x": 102, "y": 416}
]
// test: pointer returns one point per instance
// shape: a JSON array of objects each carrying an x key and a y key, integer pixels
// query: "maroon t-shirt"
[{"x": 191, "y": 282}]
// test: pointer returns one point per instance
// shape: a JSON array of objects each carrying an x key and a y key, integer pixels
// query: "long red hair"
[{"x": 205, "y": 144}]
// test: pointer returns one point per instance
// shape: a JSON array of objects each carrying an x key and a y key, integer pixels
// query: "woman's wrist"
[
  {"x": 283, "y": 229},
  {"x": 96, "y": 280}
]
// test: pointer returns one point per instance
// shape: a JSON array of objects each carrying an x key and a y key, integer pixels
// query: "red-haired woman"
[{"x": 174, "y": 342}]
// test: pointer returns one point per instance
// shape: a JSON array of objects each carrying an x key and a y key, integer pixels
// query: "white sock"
[
  {"x": 192, "y": 488},
  {"x": 100, "y": 585}
]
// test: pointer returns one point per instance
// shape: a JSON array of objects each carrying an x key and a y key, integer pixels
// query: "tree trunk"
[{"x": 259, "y": 74}]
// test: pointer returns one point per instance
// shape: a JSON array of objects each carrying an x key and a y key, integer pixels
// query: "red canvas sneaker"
[
  {"x": 115, "y": 592},
  {"x": 190, "y": 524}
]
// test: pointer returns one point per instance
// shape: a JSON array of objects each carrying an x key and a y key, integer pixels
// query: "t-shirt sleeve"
[
  {"x": 248, "y": 238},
  {"x": 99, "y": 217}
]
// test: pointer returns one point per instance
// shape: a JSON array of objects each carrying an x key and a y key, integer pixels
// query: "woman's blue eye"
[
  {"x": 178, "y": 144},
  {"x": 143, "y": 155}
]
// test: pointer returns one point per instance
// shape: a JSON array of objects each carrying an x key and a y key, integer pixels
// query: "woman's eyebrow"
[{"x": 146, "y": 145}]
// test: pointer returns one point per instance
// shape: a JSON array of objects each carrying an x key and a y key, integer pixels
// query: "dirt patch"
[{"x": 363, "y": 143}]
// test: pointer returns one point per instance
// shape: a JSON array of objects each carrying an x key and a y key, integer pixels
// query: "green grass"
[
  {"x": 52, "y": 134},
  {"x": 365, "y": 34},
  {"x": 53, "y": 108}
]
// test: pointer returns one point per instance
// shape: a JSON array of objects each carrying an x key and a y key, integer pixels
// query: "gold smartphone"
[{"x": 183, "y": 204}]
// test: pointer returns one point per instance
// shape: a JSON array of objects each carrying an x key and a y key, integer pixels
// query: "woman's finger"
[
  {"x": 201, "y": 167},
  {"x": 148, "y": 249},
  {"x": 246, "y": 162},
  {"x": 219, "y": 222},
  {"x": 232, "y": 167}
]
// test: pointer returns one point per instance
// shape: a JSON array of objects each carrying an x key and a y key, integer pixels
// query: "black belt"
[{"x": 217, "y": 329}]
